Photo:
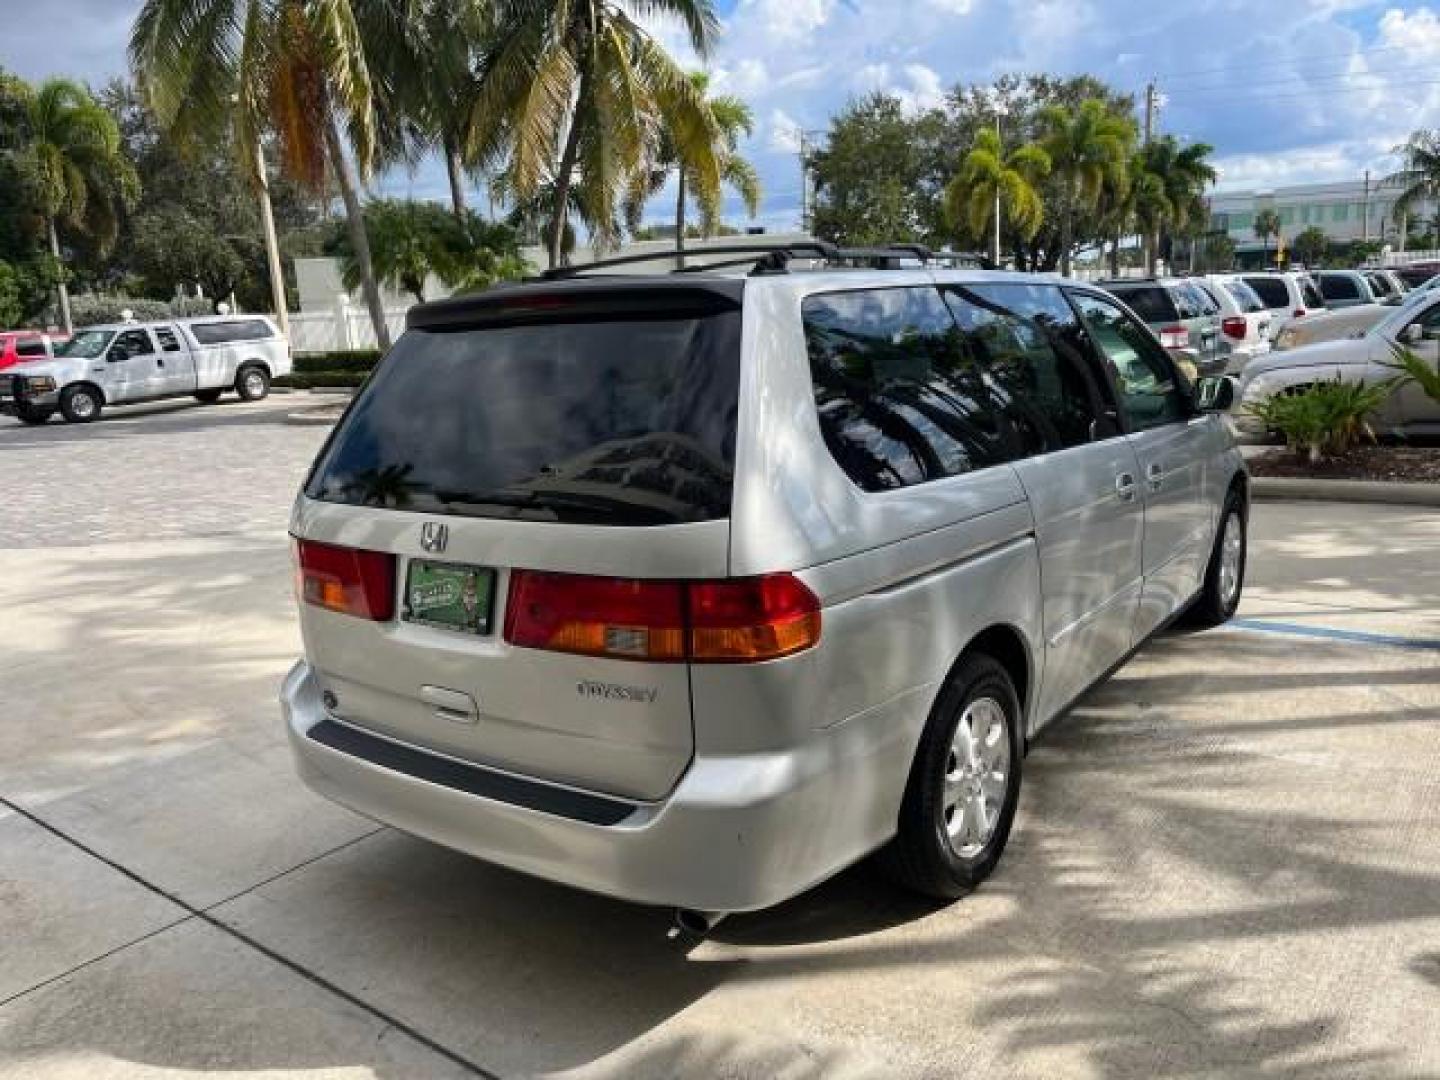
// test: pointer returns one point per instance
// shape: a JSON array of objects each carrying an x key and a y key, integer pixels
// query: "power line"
[
  {"x": 1302, "y": 79},
  {"x": 1232, "y": 68},
  {"x": 1262, "y": 98}
]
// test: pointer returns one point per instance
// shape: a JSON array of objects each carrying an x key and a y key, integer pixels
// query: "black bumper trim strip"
[{"x": 470, "y": 779}]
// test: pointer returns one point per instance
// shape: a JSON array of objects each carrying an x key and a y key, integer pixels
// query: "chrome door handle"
[
  {"x": 1155, "y": 476},
  {"x": 1125, "y": 487}
]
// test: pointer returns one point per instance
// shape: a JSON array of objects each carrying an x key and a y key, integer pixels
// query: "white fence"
[{"x": 346, "y": 326}]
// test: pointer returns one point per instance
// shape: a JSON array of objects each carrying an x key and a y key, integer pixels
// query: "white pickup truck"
[{"x": 130, "y": 362}]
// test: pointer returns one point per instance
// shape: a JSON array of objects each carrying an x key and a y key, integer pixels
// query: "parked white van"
[{"x": 131, "y": 362}]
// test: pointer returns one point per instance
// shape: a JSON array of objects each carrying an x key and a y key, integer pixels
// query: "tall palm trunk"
[
  {"x": 680, "y": 223},
  {"x": 64, "y": 292},
  {"x": 455, "y": 169},
  {"x": 1115, "y": 253},
  {"x": 560, "y": 212},
  {"x": 1152, "y": 250},
  {"x": 1067, "y": 230},
  {"x": 355, "y": 221}
]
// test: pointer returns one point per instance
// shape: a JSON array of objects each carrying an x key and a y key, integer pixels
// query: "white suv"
[{"x": 1244, "y": 319}]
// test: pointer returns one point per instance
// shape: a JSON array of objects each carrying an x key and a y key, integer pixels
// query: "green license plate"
[{"x": 450, "y": 597}]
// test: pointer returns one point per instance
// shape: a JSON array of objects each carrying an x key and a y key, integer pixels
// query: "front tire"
[
  {"x": 964, "y": 785},
  {"x": 80, "y": 404},
  {"x": 33, "y": 416},
  {"x": 1225, "y": 576},
  {"x": 252, "y": 383}
]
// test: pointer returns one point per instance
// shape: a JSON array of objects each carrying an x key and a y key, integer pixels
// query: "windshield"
[
  {"x": 610, "y": 421},
  {"x": 86, "y": 344}
]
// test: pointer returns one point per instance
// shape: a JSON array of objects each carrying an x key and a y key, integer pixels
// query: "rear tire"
[
  {"x": 28, "y": 414},
  {"x": 1225, "y": 576},
  {"x": 208, "y": 397},
  {"x": 964, "y": 785},
  {"x": 252, "y": 382},
  {"x": 80, "y": 404}
]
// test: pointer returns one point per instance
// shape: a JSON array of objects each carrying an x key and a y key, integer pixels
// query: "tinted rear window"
[
  {"x": 1244, "y": 296},
  {"x": 219, "y": 333},
  {"x": 30, "y": 348},
  {"x": 1271, "y": 290},
  {"x": 1338, "y": 287},
  {"x": 607, "y": 421},
  {"x": 1151, "y": 302}
]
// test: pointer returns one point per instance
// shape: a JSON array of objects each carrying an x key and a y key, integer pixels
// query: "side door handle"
[
  {"x": 1154, "y": 476},
  {"x": 1125, "y": 487}
]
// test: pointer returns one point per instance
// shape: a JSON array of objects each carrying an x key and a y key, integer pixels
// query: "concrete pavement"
[{"x": 1224, "y": 863}]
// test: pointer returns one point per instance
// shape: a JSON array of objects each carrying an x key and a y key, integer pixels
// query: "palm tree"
[
  {"x": 990, "y": 178},
  {"x": 1170, "y": 182},
  {"x": 433, "y": 58},
  {"x": 1419, "y": 177},
  {"x": 296, "y": 67},
  {"x": 733, "y": 119},
  {"x": 71, "y": 157},
  {"x": 1267, "y": 224},
  {"x": 577, "y": 85},
  {"x": 1089, "y": 147}
]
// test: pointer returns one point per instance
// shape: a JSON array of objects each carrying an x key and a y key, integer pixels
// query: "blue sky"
[{"x": 1287, "y": 91}]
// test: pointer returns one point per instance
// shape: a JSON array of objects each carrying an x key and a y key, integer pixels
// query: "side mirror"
[
  {"x": 1412, "y": 334},
  {"x": 1215, "y": 393}
]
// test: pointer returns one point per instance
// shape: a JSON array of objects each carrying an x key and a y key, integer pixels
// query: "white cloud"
[
  {"x": 785, "y": 20},
  {"x": 785, "y": 133},
  {"x": 1416, "y": 34}
]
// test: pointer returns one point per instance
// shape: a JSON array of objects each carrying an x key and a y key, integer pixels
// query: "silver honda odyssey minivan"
[{"x": 695, "y": 588}]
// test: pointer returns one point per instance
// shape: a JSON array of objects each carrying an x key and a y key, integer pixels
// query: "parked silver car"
[
  {"x": 1183, "y": 315},
  {"x": 1369, "y": 357},
  {"x": 695, "y": 589}
]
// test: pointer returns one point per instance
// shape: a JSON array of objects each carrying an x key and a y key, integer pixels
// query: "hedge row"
[
  {"x": 358, "y": 360},
  {"x": 310, "y": 379}
]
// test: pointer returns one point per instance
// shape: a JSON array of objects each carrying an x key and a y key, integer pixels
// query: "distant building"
[{"x": 1345, "y": 211}]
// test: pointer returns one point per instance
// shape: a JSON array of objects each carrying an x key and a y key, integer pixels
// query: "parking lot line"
[{"x": 1329, "y": 633}]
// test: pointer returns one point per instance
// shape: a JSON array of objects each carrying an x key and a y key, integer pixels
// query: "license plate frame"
[{"x": 435, "y": 596}]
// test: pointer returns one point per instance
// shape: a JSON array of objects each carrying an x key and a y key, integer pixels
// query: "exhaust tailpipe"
[{"x": 693, "y": 925}]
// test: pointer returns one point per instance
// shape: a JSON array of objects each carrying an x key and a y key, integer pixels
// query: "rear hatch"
[{"x": 571, "y": 445}]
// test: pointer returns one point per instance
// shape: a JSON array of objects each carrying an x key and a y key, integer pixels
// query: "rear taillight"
[
  {"x": 752, "y": 618},
  {"x": 1175, "y": 337},
  {"x": 1298, "y": 313},
  {"x": 735, "y": 620},
  {"x": 1234, "y": 327},
  {"x": 348, "y": 580}
]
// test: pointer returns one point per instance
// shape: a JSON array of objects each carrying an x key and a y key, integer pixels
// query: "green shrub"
[
  {"x": 358, "y": 360},
  {"x": 322, "y": 379},
  {"x": 1416, "y": 369},
  {"x": 1327, "y": 418},
  {"x": 86, "y": 310}
]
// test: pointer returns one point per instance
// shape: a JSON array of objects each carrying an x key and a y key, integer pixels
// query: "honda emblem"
[{"x": 433, "y": 536}]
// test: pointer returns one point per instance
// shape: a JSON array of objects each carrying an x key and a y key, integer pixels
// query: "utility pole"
[
  {"x": 804, "y": 184},
  {"x": 272, "y": 244},
  {"x": 1365, "y": 210},
  {"x": 1150, "y": 96}
]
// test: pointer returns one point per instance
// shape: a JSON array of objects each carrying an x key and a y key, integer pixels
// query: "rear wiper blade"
[{"x": 552, "y": 501}]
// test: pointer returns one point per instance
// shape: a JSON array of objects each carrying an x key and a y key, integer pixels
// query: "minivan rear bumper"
[{"x": 738, "y": 833}]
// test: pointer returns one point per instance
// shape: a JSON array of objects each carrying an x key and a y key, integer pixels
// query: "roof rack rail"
[
  {"x": 774, "y": 258},
  {"x": 782, "y": 253}
]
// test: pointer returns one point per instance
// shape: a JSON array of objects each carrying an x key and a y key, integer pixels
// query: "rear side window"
[
  {"x": 1205, "y": 304},
  {"x": 911, "y": 387},
  {"x": 601, "y": 420},
  {"x": 1338, "y": 287},
  {"x": 31, "y": 347},
  {"x": 221, "y": 333},
  {"x": 1378, "y": 285},
  {"x": 1151, "y": 302},
  {"x": 1246, "y": 298},
  {"x": 1271, "y": 290},
  {"x": 1310, "y": 294}
]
